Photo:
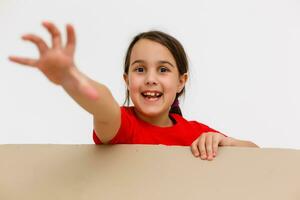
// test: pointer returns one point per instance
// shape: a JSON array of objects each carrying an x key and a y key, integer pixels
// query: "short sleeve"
[
  {"x": 202, "y": 128},
  {"x": 125, "y": 132},
  {"x": 96, "y": 139}
]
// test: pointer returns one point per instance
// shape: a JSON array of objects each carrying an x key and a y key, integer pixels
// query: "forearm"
[
  {"x": 242, "y": 143},
  {"x": 100, "y": 107}
]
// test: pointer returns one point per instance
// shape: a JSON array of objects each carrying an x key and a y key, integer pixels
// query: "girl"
[{"x": 155, "y": 73}]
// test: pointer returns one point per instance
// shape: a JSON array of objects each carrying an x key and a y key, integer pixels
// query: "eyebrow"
[{"x": 159, "y": 62}]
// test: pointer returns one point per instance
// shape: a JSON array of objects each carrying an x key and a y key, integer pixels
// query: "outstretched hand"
[{"x": 57, "y": 62}]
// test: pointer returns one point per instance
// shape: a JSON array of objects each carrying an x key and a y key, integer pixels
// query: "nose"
[{"x": 151, "y": 78}]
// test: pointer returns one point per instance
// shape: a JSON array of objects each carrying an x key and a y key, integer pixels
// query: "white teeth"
[{"x": 153, "y": 94}]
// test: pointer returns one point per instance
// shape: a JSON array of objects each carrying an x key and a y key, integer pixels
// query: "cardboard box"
[{"x": 88, "y": 172}]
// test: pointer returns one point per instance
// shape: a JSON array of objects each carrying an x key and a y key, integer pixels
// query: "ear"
[
  {"x": 182, "y": 80},
  {"x": 125, "y": 77}
]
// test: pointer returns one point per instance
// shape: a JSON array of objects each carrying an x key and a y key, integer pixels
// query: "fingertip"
[
  {"x": 44, "y": 23},
  {"x": 210, "y": 158},
  {"x": 24, "y": 37},
  {"x": 69, "y": 28},
  {"x": 69, "y": 25},
  {"x": 12, "y": 58}
]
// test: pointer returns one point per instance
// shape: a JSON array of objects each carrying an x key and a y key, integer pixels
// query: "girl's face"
[{"x": 153, "y": 78}]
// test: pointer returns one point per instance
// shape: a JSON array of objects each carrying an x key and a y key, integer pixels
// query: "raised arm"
[{"x": 57, "y": 64}]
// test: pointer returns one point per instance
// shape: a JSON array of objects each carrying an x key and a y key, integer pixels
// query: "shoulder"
[
  {"x": 203, "y": 127},
  {"x": 128, "y": 123},
  {"x": 181, "y": 120},
  {"x": 198, "y": 126}
]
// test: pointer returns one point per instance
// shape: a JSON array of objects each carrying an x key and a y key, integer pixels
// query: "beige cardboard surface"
[{"x": 91, "y": 172}]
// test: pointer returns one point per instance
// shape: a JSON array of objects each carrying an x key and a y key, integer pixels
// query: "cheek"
[
  {"x": 170, "y": 85},
  {"x": 134, "y": 84}
]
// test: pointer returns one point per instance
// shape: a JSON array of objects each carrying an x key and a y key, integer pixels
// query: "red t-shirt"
[{"x": 135, "y": 131}]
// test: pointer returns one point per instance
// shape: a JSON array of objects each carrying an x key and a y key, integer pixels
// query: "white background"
[{"x": 244, "y": 60}]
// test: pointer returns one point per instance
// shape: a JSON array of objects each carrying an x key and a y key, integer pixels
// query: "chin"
[{"x": 151, "y": 111}]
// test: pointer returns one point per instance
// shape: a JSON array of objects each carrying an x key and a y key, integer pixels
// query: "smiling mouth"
[{"x": 152, "y": 96}]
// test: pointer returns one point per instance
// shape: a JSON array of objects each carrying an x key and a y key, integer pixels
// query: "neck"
[{"x": 159, "y": 120}]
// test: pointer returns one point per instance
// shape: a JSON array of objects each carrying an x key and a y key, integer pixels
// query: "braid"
[{"x": 175, "y": 107}]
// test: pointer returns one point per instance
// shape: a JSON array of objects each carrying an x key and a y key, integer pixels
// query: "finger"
[
  {"x": 71, "y": 39},
  {"x": 201, "y": 147},
  {"x": 208, "y": 145},
  {"x": 55, "y": 34},
  {"x": 194, "y": 148},
  {"x": 41, "y": 45},
  {"x": 24, "y": 61},
  {"x": 215, "y": 145}
]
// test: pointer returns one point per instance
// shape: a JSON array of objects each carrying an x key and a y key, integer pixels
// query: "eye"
[
  {"x": 164, "y": 69},
  {"x": 139, "y": 69}
]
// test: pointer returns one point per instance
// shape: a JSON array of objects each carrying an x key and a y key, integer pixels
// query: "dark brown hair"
[{"x": 176, "y": 50}]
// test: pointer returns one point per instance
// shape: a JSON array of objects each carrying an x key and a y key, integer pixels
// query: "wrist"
[{"x": 70, "y": 78}]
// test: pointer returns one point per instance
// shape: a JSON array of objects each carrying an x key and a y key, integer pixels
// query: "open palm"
[{"x": 57, "y": 62}]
